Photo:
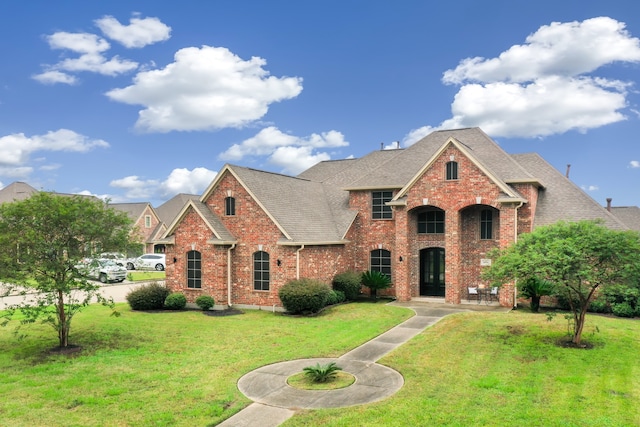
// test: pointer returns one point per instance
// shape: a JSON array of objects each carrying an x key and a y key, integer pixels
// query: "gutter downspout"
[
  {"x": 232, "y": 247},
  {"x": 515, "y": 240},
  {"x": 298, "y": 262}
]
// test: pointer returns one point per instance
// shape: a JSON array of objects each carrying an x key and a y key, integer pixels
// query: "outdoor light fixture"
[{"x": 278, "y": 262}]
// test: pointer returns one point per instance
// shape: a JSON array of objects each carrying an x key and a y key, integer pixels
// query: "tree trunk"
[
  {"x": 535, "y": 304},
  {"x": 63, "y": 329},
  {"x": 577, "y": 336}
]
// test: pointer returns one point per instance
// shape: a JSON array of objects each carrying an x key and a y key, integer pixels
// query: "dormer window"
[
  {"x": 229, "y": 206},
  {"x": 452, "y": 170}
]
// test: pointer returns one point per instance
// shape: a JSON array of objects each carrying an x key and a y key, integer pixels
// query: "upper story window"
[
  {"x": 431, "y": 222},
  {"x": 486, "y": 224},
  {"x": 261, "y": 271},
  {"x": 147, "y": 221},
  {"x": 229, "y": 206},
  {"x": 380, "y": 260},
  {"x": 194, "y": 270},
  {"x": 379, "y": 208},
  {"x": 452, "y": 170}
]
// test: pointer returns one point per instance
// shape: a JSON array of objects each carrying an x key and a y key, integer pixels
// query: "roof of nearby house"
[
  {"x": 133, "y": 210},
  {"x": 172, "y": 207},
  {"x": 629, "y": 215},
  {"x": 16, "y": 191}
]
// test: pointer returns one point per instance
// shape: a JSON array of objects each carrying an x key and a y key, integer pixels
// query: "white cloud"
[
  {"x": 634, "y": 164},
  {"x": 542, "y": 88},
  {"x": 590, "y": 187},
  {"x": 179, "y": 181},
  {"x": 53, "y": 77},
  {"x": 15, "y": 149},
  {"x": 416, "y": 135},
  {"x": 139, "y": 33},
  {"x": 205, "y": 88},
  {"x": 292, "y": 153}
]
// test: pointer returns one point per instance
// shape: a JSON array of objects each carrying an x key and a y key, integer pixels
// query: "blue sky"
[{"x": 140, "y": 100}]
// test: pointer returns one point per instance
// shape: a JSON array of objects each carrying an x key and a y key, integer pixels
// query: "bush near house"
[
  {"x": 348, "y": 282},
  {"x": 175, "y": 301},
  {"x": 205, "y": 302},
  {"x": 304, "y": 296},
  {"x": 148, "y": 297}
]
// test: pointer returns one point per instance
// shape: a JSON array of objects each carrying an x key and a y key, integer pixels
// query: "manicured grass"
[
  {"x": 167, "y": 368},
  {"x": 137, "y": 275},
  {"x": 505, "y": 369}
]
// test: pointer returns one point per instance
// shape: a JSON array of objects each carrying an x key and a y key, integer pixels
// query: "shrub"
[
  {"x": 600, "y": 305},
  {"x": 340, "y": 296},
  {"x": 147, "y": 297},
  {"x": 205, "y": 302},
  {"x": 322, "y": 373},
  {"x": 375, "y": 280},
  {"x": 333, "y": 298},
  {"x": 348, "y": 282},
  {"x": 536, "y": 288},
  {"x": 623, "y": 309},
  {"x": 617, "y": 294},
  {"x": 175, "y": 301},
  {"x": 304, "y": 296}
]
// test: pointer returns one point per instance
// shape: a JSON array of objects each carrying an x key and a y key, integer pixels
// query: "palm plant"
[
  {"x": 375, "y": 280},
  {"x": 322, "y": 373},
  {"x": 535, "y": 288}
]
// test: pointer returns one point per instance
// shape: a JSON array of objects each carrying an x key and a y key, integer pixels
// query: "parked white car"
[
  {"x": 102, "y": 269},
  {"x": 147, "y": 262},
  {"x": 118, "y": 257}
]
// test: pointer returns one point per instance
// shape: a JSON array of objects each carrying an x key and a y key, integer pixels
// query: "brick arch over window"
[
  {"x": 261, "y": 271},
  {"x": 380, "y": 260},
  {"x": 194, "y": 270}
]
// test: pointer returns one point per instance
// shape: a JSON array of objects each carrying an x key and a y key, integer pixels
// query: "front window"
[
  {"x": 486, "y": 224},
  {"x": 431, "y": 222},
  {"x": 261, "y": 271},
  {"x": 379, "y": 208},
  {"x": 230, "y": 206},
  {"x": 381, "y": 261},
  {"x": 452, "y": 170},
  {"x": 147, "y": 221},
  {"x": 194, "y": 270}
]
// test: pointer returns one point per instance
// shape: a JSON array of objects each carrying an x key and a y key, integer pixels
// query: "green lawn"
[
  {"x": 181, "y": 369},
  {"x": 141, "y": 275}
]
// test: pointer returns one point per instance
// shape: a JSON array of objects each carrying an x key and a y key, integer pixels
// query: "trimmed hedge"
[
  {"x": 175, "y": 301},
  {"x": 304, "y": 296},
  {"x": 148, "y": 297},
  {"x": 205, "y": 302},
  {"x": 348, "y": 282}
]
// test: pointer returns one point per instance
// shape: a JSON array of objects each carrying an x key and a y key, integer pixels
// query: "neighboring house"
[
  {"x": 427, "y": 215},
  {"x": 145, "y": 222},
  {"x": 16, "y": 191}
]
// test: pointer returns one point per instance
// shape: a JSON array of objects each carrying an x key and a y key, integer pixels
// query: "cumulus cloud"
[
  {"x": 179, "y": 181},
  {"x": 54, "y": 77},
  {"x": 15, "y": 149},
  {"x": 634, "y": 164},
  {"x": 291, "y": 153},
  {"x": 139, "y": 33},
  {"x": 590, "y": 187},
  {"x": 205, "y": 88},
  {"x": 545, "y": 86}
]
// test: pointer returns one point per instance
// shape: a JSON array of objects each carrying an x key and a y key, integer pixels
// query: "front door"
[{"x": 432, "y": 272}]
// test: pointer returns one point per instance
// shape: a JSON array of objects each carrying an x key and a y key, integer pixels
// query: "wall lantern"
[
  {"x": 279, "y": 263},
  {"x": 400, "y": 259},
  {"x": 175, "y": 260}
]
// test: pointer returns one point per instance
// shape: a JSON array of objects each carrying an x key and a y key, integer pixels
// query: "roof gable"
[{"x": 220, "y": 233}]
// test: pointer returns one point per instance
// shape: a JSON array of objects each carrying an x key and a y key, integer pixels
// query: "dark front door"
[{"x": 432, "y": 272}]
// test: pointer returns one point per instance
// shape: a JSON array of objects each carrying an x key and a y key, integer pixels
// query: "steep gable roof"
[
  {"x": 561, "y": 199},
  {"x": 172, "y": 207},
  {"x": 16, "y": 191},
  {"x": 219, "y": 233},
  {"x": 133, "y": 210}
]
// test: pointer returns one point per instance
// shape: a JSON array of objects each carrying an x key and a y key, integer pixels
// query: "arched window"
[
  {"x": 486, "y": 224},
  {"x": 194, "y": 270},
  {"x": 431, "y": 222},
  {"x": 452, "y": 170},
  {"x": 380, "y": 260},
  {"x": 229, "y": 206},
  {"x": 261, "y": 271}
]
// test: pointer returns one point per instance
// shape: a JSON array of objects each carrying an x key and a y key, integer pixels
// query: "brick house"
[{"x": 427, "y": 215}]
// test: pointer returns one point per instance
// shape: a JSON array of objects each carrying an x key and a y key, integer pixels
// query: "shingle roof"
[
  {"x": 168, "y": 210},
  {"x": 16, "y": 191},
  {"x": 561, "y": 199},
  {"x": 133, "y": 210},
  {"x": 629, "y": 215}
]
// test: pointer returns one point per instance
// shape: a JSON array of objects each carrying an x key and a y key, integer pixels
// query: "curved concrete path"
[{"x": 275, "y": 401}]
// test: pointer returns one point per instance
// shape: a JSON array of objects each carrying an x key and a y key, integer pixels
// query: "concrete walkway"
[{"x": 275, "y": 401}]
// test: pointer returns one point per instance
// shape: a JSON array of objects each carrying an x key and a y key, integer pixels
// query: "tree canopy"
[
  {"x": 42, "y": 240},
  {"x": 578, "y": 257}
]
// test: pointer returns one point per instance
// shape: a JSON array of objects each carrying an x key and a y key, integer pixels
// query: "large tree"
[
  {"x": 42, "y": 239},
  {"x": 578, "y": 257}
]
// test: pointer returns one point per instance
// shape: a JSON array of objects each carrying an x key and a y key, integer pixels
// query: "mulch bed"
[{"x": 219, "y": 313}]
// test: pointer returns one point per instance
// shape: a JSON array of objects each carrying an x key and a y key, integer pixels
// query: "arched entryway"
[{"x": 432, "y": 281}]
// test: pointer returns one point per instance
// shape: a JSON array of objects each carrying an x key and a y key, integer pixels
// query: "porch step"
[{"x": 440, "y": 300}]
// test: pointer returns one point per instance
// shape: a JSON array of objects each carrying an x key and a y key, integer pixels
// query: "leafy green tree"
[
  {"x": 42, "y": 240},
  {"x": 579, "y": 257},
  {"x": 375, "y": 280},
  {"x": 535, "y": 288}
]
